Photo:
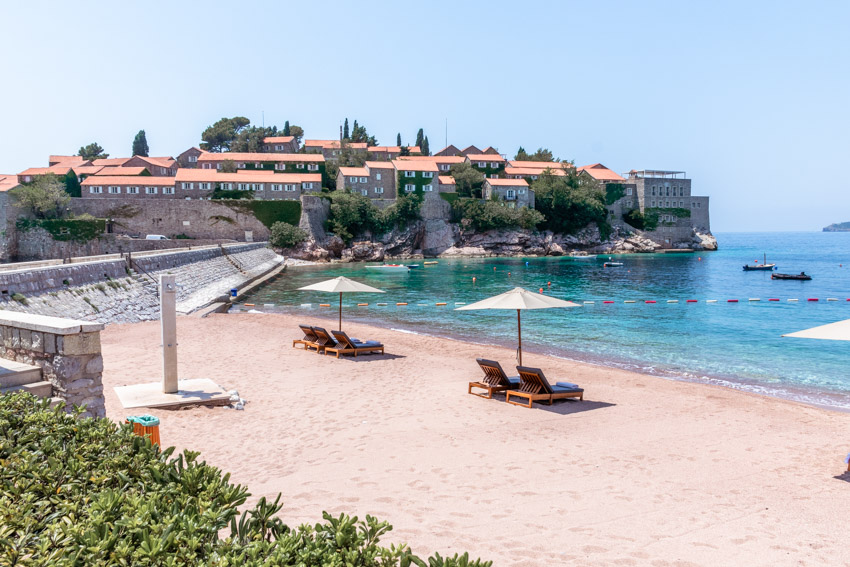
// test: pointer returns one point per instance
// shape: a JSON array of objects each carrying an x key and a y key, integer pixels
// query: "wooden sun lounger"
[
  {"x": 346, "y": 345},
  {"x": 309, "y": 340},
  {"x": 323, "y": 339},
  {"x": 495, "y": 379},
  {"x": 535, "y": 388}
]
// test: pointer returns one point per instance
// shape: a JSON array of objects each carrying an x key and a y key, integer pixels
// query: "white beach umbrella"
[
  {"x": 341, "y": 285},
  {"x": 839, "y": 331},
  {"x": 519, "y": 299}
]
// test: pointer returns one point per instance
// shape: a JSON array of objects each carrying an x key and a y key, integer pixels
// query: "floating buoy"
[
  {"x": 607, "y": 302},
  {"x": 731, "y": 301},
  {"x": 494, "y": 268},
  {"x": 711, "y": 301},
  {"x": 699, "y": 258},
  {"x": 249, "y": 305},
  {"x": 362, "y": 305},
  {"x": 473, "y": 279},
  {"x": 691, "y": 301},
  {"x": 755, "y": 299},
  {"x": 541, "y": 290},
  {"x": 380, "y": 304},
  {"x": 793, "y": 300},
  {"x": 401, "y": 303},
  {"x": 306, "y": 305},
  {"x": 630, "y": 301},
  {"x": 773, "y": 299},
  {"x": 526, "y": 263},
  {"x": 439, "y": 304},
  {"x": 649, "y": 301},
  {"x": 672, "y": 301},
  {"x": 589, "y": 302},
  {"x": 832, "y": 299},
  {"x": 548, "y": 284},
  {"x": 509, "y": 274},
  {"x": 813, "y": 299}
]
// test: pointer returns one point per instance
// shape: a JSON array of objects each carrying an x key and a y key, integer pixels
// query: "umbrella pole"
[
  {"x": 340, "y": 311},
  {"x": 519, "y": 334}
]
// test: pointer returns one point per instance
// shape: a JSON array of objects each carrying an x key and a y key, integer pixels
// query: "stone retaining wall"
[{"x": 67, "y": 351}]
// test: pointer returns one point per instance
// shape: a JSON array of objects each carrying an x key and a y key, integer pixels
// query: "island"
[{"x": 838, "y": 227}]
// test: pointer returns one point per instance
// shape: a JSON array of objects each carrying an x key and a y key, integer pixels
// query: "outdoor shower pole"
[
  {"x": 340, "y": 311},
  {"x": 519, "y": 334},
  {"x": 168, "y": 322}
]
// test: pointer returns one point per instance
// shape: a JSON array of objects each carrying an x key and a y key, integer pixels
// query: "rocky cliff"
[
  {"x": 838, "y": 227},
  {"x": 435, "y": 236}
]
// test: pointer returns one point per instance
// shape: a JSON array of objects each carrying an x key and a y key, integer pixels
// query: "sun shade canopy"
[
  {"x": 341, "y": 285},
  {"x": 839, "y": 331},
  {"x": 518, "y": 298}
]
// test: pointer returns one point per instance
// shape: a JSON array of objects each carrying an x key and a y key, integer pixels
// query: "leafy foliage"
[
  {"x": 359, "y": 134},
  {"x": 353, "y": 214},
  {"x": 220, "y": 136},
  {"x": 250, "y": 138},
  {"x": 542, "y": 154},
  {"x": 426, "y": 147},
  {"x": 570, "y": 202},
  {"x": 219, "y": 193},
  {"x": 468, "y": 180},
  {"x": 614, "y": 192},
  {"x": 228, "y": 166},
  {"x": 297, "y": 132},
  {"x": 140, "y": 144},
  {"x": 81, "y": 229},
  {"x": 88, "y": 492},
  {"x": 679, "y": 212},
  {"x": 487, "y": 215},
  {"x": 45, "y": 197},
  {"x": 637, "y": 219},
  {"x": 285, "y": 235},
  {"x": 92, "y": 151},
  {"x": 346, "y": 133}
]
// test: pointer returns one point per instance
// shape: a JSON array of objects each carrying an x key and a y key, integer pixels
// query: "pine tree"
[
  {"x": 420, "y": 137},
  {"x": 345, "y": 133},
  {"x": 286, "y": 128},
  {"x": 425, "y": 148},
  {"x": 398, "y": 139},
  {"x": 140, "y": 145}
]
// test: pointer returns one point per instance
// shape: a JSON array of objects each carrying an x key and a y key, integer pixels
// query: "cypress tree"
[
  {"x": 398, "y": 139},
  {"x": 426, "y": 150},
  {"x": 420, "y": 137},
  {"x": 345, "y": 133},
  {"x": 140, "y": 145},
  {"x": 286, "y": 128}
]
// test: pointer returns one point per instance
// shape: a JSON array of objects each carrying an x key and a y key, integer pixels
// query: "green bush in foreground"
[
  {"x": 88, "y": 492},
  {"x": 285, "y": 235}
]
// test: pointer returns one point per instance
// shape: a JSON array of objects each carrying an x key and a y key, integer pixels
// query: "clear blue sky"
[{"x": 750, "y": 98}]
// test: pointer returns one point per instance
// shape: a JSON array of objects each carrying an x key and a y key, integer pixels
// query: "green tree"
[
  {"x": 398, "y": 139},
  {"x": 468, "y": 180},
  {"x": 351, "y": 215},
  {"x": 297, "y": 132},
  {"x": 426, "y": 147},
  {"x": 359, "y": 135},
  {"x": 345, "y": 133},
  {"x": 348, "y": 157},
  {"x": 542, "y": 154},
  {"x": 250, "y": 138},
  {"x": 228, "y": 166},
  {"x": 140, "y": 144},
  {"x": 286, "y": 131},
  {"x": 284, "y": 235},
  {"x": 570, "y": 202},
  {"x": 219, "y": 136},
  {"x": 420, "y": 138},
  {"x": 92, "y": 151},
  {"x": 45, "y": 197}
]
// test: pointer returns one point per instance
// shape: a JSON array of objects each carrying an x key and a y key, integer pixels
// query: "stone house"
[
  {"x": 444, "y": 163},
  {"x": 266, "y": 185},
  {"x": 280, "y": 144},
  {"x": 416, "y": 175},
  {"x": 389, "y": 153},
  {"x": 513, "y": 192},
  {"x": 491, "y": 165},
  {"x": 450, "y": 150},
  {"x": 446, "y": 184},
  {"x": 158, "y": 166},
  {"x": 332, "y": 149},
  {"x": 532, "y": 170},
  {"x": 29, "y": 175},
  {"x": 189, "y": 158},
  {"x": 128, "y": 187},
  {"x": 272, "y": 163},
  {"x": 490, "y": 150},
  {"x": 70, "y": 161},
  {"x": 135, "y": 171},
  {"x": 376, "y": 180}
]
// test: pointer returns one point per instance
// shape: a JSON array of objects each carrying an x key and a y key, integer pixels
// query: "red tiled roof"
[
  {"x": 88, "y": 169},
  {"x": 473, "y": 149},
  {"x": 354, "y": 171},
  {"x": 446, "y": 180},
  {"x": 106, "y": 162},
  {"x": 119, "y": 171},
  {"x": 393, "y": 149},
  {"x": 127, "y": 180},
  {"x": 260, "y": 157},
  {"x": 57, "y": 169},
  {"x": 533, "y": 171},
  {"x": 485, "y": 157},
  {"x": 245, "y": 176},
  {"x": 278, "y": 139},
  {"x": 507, "y": 182},
  {"x": 540, "y": 164},
  {"x": 601, "y": 173},
  {"x": 380, "y": 165},
  {"x": 7, "y": 182},
  {"x": 435, "y": 159},
  {"x": 406, "y": 165}
]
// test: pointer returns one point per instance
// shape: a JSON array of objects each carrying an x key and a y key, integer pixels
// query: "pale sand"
[{"x": 645, "y": 471}]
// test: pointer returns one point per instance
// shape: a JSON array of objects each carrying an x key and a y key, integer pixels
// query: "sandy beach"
[{"x": 644, "y": 471}]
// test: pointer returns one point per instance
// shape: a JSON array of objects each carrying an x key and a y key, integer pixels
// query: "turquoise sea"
[{"x": 733, "y": 344}]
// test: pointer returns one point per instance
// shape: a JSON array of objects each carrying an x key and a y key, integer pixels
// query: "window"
[
  {"x": 168, "y": 190},
  {"x": 494, "y": 165},
  {"x": 113, "y": 190},
  {"x": 653, "y": 190},
  {"x": 185, "y": 185},
  {"x": 482, "y": 164},
  {"x": 258, "y": 165},
  {"x": 225, "y": 186},
  {"x": 444, "y": 167},
  {"x": 299, "y": 166},
  {"x": 510, "y": 194},
  {"x": 428, "y": 188},
  {"x": 379, "y": 190},
  {"x": 151, "y": 190},
  {"x": 352, "y": 180},
  {"x": 95, "y": 190},
  {"x": 311, "y": 167},
  {"x": 667, "y": 204},
  {"x": 240, "y": 186},
  {"x": 163, "y": 171},
  {"x": 277, "y": 187},
  {"x": 378, "y": 176},
  {"x": 533, "y": 177},
  {"x": 428, "y": 174},
  {"x": 409, "y": 174},
  {"x": 218, "y": 166},
  {"x": 628, "y": 190},
  {"x": 494, "y": 176},
  {"x": 289, "y": 187},
  {"x": 240, "y": 165},
  {"x": 307, "y": 185},
  {"x": 681, "y": 203},
  {"x": 698, "y": 204},
  {"x": 365, "y": 192},
  {"x": 521, "y": 192},
  {"x": 132, "y": 190},
  {"x": 681, "y": 191},
  {"x": 259, "y": 187},
  {"x": 278, "y": 147},
  {"x": 204, "y": 186},
  {"x": 362, "y": 180},
  {"x": 410, "y": 187},
  {"x": 668, "y": 191},
  {"x": 653, "y": 203},
  {"x": 193, "y": 159},
  {"x": 280, "y": 166}
]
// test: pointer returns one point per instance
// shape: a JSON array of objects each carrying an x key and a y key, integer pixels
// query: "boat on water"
[
  {"x": 583, "y": 256},
  {"x": 611, "y": 264},
  {"x": 756, "y": 267},
  {"x": 430, "y": 263},
  {"x": 802, "y": 276},
  {"x": 392, "y": 267}
]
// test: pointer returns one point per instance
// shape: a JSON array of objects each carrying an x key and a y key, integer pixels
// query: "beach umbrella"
[
  {"x": 839, "y": 331},
  {"x": 519, "y": 299},
  {"x": 341, "y": 285}
]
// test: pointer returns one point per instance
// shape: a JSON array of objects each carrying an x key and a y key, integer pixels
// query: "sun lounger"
[
  {"x": 323, "y": 339},
  {"x": 495, "y": 379},
  {"x": 535, "y": 388},
  {"x": 309, "y": 340},
  {"x": 346, "y": 345}
]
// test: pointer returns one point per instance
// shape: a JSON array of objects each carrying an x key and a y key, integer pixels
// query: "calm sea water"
[{"x": 737, "y": 345}]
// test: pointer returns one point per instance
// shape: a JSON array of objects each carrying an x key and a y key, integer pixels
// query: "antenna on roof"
[
  {"x": 447, "y": 133},
  {"x": 264, "y": 118}
]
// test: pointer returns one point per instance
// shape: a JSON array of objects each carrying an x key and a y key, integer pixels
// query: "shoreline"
[{"x": 705, "y": 475}]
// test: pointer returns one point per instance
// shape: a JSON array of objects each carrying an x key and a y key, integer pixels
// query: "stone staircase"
[{"x": 16, "y": 376}]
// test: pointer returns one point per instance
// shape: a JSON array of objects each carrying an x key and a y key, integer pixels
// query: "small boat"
[
  {"x": 582, "y": 256},
  {"x": 430, "y": 263},
  {"x": 390, "y": 268},
  {"x": 611, "y": 264},
  {"x": 802, "y": 276},
  {"x": 763, "y": 267}
]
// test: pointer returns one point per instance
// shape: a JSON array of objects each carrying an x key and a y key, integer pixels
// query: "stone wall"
[{"x": 67, "y": 351}]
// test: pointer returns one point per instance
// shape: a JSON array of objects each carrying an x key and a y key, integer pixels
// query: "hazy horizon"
[{"x": 749, "y": 100}]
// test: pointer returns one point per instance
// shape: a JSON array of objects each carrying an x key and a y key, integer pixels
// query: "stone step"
[
  {"x": 16, "y": 373},
  {"x": 38, "y": 389},
  {"x": 54, "y": 401}
]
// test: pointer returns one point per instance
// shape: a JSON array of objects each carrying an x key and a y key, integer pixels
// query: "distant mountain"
[{"x": 838, "y": 227}]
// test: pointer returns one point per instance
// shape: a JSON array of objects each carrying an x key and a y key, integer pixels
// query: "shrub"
[
  {"x": 79, "y": 491},
  {"x": 285, "y": 235},
  {"x": 486, "y": 215},
  {"x": 640, "y": 221},
  {"x": 570, "y": 202}
]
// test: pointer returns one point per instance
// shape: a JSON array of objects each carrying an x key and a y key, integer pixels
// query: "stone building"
[
  {"x": 289, "y": 163},
  {"x": 389, "y": 153},
  {"x": 266, "y": 185},
  {"x": 416, "y": 175},
  {"x": 444, "y": 163},
  {"x": 491, "y": 165},
  {"x": 156, "y": 166},
  {"x": 280, "y": 144},
  {"x": 376, "y": 180},
  {"x": 333, "y": 149},
  {"x": 446, "y": 184},
  {"x": 189, "y": 158},
  {"x": 532, "y": 170},
  {"x": 513, "y": 192},
  {"x": 128, "y": 187}
]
